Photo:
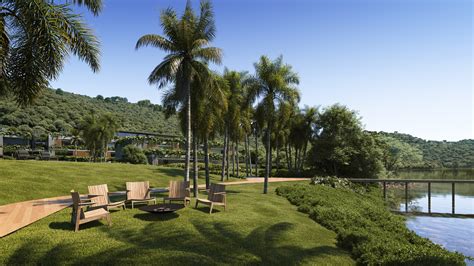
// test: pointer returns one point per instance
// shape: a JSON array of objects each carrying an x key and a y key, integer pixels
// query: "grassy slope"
[{"x": 255, "y": 229}]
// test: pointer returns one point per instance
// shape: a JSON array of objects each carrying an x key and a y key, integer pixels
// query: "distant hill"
[
  {"x": 437, "y": 154},
  {"x": 58, "y": 111}
]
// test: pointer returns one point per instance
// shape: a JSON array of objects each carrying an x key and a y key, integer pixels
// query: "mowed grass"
[
  {"x": 255, "y": 229},
  {"x": 27, "y": 180}
]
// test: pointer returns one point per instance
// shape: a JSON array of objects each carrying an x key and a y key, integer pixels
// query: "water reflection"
[{"x": 456, "y": 234}]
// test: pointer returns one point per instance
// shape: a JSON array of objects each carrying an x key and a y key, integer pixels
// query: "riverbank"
[{"x": 365, "y": 227}]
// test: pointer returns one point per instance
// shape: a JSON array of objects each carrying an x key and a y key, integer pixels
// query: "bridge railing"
[{"x": 384, "y": 183}]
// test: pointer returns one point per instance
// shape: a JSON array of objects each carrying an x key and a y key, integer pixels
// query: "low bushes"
[
  {"x": 133, "y": 154},
  {"x": 364, "y": 226}
]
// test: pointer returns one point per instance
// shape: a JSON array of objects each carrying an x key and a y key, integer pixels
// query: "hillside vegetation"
[
  {"x": 439, "y": 154},
  {"x": 59, "y": 111}
]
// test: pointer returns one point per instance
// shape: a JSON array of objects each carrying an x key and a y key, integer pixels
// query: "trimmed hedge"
[{"x": 365, "y": 227}]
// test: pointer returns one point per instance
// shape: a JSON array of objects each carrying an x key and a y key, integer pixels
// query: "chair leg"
[
  {"x": 109, "y": 220},
  {"x": 210, "y": 209},
  {"x": 76, "y": 227},
  {"x": 132, "y": 204},
  {"x": 197, "y": 201}
]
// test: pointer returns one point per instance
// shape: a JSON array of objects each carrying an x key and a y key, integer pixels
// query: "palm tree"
[
  {"x": 97, "y": 131},
  {"x": 35, "y": 38},
  {"x": 75, "y": 140},
  {"x": 233, "y": 118},
  {"x": 273, "y": 83},
  {"x": 186, "y": 40},
  {"x": 209, "y": 102},
  {"x": 211, "y": 110}
]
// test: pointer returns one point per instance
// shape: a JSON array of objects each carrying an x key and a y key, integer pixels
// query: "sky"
[{"x": 404, "y": 65}]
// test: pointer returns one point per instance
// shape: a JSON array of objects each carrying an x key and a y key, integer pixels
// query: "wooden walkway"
[{"x": 18, "y": 215}]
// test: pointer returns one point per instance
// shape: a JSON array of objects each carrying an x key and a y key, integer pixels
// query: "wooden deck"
[{"x": 18, "y": 215}]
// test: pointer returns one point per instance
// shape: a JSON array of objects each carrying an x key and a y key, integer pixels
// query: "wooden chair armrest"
[{"x": 85, "y": 203}]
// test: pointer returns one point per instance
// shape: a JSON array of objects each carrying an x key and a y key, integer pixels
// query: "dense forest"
[
  {"x": 57, "y": 111},
  {"x": 439, "y": 154}
]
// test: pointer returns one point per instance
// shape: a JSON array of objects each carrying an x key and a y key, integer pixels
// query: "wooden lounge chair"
[
  {"x": 99, "y": 195},
  {"x": 216, "y": 196},
  {"x": 79, "y": 216},
  {"x": 139, "y": 192},
  {"x": 178, "y": 191}
]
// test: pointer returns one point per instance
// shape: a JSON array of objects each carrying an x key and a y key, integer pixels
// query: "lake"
[{"x": 456, "y": 234}]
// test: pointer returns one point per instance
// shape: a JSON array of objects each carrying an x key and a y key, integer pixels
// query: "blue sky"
[{"x": 405, "y": 65}]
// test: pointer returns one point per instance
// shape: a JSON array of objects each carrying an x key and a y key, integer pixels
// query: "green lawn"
[{"x": 256, "y": 228}]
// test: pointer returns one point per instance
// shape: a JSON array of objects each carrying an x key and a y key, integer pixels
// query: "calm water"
[{"x": 455, "y": 234}]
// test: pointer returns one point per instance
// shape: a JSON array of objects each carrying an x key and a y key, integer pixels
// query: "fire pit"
[{"x": 162, "y": 208}]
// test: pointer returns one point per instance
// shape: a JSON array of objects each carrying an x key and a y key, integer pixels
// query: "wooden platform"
[{"x": 18, "y": 215}]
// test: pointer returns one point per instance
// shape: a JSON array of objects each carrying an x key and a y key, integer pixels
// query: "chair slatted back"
[
  {"x": 77, "y": 211},
  {"x": 215, "y": 188},
  {"x": 138, "y": 190},
  {"x": 101, "y": 190},
  {"x": 178, "y": 189}
]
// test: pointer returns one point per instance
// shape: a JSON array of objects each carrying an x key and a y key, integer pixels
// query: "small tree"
[{"x": 133, "y": 154}]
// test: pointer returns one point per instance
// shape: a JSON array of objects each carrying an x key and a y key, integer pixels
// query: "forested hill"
[
  {"x": 59, "y": 111},
  {"x": 438, "y": 154}
]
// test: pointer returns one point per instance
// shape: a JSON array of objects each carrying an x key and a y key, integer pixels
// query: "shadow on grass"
[
  {"x": 67, "y": 226},
  {"x": 200, "y": 243}
]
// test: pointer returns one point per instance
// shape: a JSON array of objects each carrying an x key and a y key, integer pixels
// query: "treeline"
[
  {"x": 57, "y": 111},
  {"x": 438, "y": 154}
]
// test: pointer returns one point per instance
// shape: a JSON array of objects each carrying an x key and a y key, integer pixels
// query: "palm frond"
[
  {"x": 157, "y": 41},
  {"x": 208, "y": 54},
  {"x": 95, "y": 6}
]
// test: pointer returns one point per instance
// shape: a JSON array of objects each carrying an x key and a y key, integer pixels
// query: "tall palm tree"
[
  {"x": 233, "y": 118},
  {"x": 186, "y": 40},
  {"x": 35, "y": 38},
  {"x": 274, "y": 82},
  {"x": 209, "y": 102}
]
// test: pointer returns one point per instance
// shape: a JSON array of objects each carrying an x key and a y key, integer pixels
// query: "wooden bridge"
[{"x": 426, "y": 181}]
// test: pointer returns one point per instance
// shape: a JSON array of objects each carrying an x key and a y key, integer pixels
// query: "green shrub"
[
  {"x": 364, "y": 226},
  {"x": 133, "y": 154}
]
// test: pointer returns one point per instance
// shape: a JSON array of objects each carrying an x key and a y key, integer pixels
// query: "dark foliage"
[{"x": 365, "y": 227}]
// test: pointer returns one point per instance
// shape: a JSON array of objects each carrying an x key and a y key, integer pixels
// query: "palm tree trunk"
[
  {"x": 227, "y": 157},
  {"x": 277, "y": 148},
  {"x": 296, "y": 159},
  {"x": 237, "y": 158},
  {"x": 290, "y": 159},
  {"x": 224, "y": 152},
  {"x": 246, "y": 156},
  {"x": 287, "y": 156},
  {"x": 206, "y": 160},
  {"x": 233, "y": 158},
  {"x": 304, "y": 156},
  {"x": 267, "y": 163},
  {"x": 188, "y": 130},
  {"x": 75, "y": 153},
  {"x": 256, "y": 154},
  {"x": 249, "y": 158},
  {"x": 195, "y": 166}
]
